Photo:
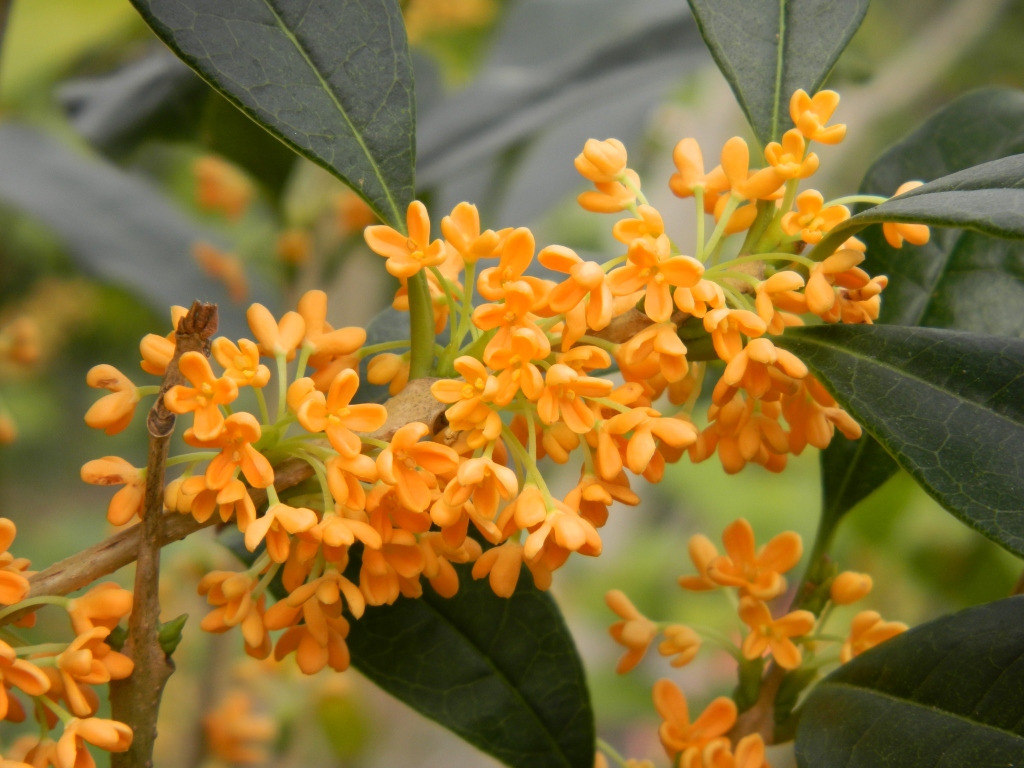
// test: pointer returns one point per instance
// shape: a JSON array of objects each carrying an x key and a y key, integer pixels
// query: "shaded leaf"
[
  {"x": 946, "y": 693},
  {"x": 959, "y": 279},
  {"x": 987, "y": 198},
  {"x": 767, "y": 49},
  {"x": 551, "y": 61},
  {"x": 333, "y": 80},
  {"x": 116, "y": 225},
  {"x": 948, "y": 407},
  {"x": 503, "y": 674}
]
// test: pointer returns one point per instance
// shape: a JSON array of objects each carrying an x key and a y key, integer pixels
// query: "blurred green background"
[{"x": 508, "y": 91}]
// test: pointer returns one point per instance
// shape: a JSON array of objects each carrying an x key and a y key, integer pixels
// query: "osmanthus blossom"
[
  {"x": 407, "y": 254},
  {"x": 774, "y": 635},
  {"x": 338, "y": 417}
]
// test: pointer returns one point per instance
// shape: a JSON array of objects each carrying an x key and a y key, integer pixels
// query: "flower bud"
[{"x": 849, "y": 587}]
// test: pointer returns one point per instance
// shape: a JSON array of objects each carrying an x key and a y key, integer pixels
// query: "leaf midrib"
[
  {"x": 398, "y": 220},
  {"x": 504, "y": 679},
  {"x": 779, "y": 58},
  {"x": 920, "y": 705},
  {"x": 908, "y": 375}
]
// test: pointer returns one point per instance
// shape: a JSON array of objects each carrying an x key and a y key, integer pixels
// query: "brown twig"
[{"x": 135, "y": 700}]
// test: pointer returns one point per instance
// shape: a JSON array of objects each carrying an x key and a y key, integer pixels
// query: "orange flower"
[
  {"x": 13, "y": 585},
  {"x": 585, "y": 278},
  {"x": 516, "y": 369},
  {"x": 467, "y": 398},
  {"x": 611, "y": 196},
  {"x": 635, "y": 632},
  {"x": 810, "y": 220},
  {"x": 235, "y": 734},
  {"x": 602, "y": 161},
  {"x": 384, "y": 571},
  {"x": 232, "y": 499},
  {"x": 221, "y": 187},
  {"x": 810, "y": 115},
  {"x": 571, "y": 532},
  {"x": 813, "y": 417},
  {"x": 113, "y": 412},
  {"x": 749, "y": 753},
  {"x": 744, "y": 183},
  {"x": 325, "y": 342},
  {"x": 866, "y": 631},
  {"x": 849, "y": 587},
  {"x": 511, "y": 316},
  {"x": 896, "y": 232},
  {"x": 294, "y": 246},
  {"x": 109, "y": 735},
  {"x": 790, "y": 159},
  {"x": 102, "y": 606},
  {"x": 223, "y": 266},
  {"x": 235, "y": 440},
  {"x": 662, "y": 340},
  {"x": 113, "y": 470},
  {"x": 407, "y": 254},
  {"x": 725, "y": 327},
  {"x": 389, "y": 369},
  {"x": 241, "y": 363},
  {"x": 502, "y": 565},
  {"x": 351, "y": 212},
  {"x": 700, "y": 298},
  {"x": 839, "y": 268},
  {"x": 335, "y": 415},
  {"x": 462, "y": 231},
  {"x": 483, "y": 480},
  {"x": 90, "y": 661},
  {"x": 344, "y": 474},
  {"x": 690, "y": 169},
  {"x": 649, "y": 265},
  {"x": 157, "y": 351},
  {"x": 750, "y": 369},
  {"x": 562, "y": 399},
  {"x": 593, "y": 495},
  {"x": 780, "y": 290},
  {"x": 230, "y": 594},
  {"x": 398, "y": 464},
  {"x": 677, "y": 733},
  {"x": 771, "y": 634},
  {"x": 320, "y": 641},
  {"x": 275, "y": 525},
  {"x": 516, "y": 255},
  {"x": 702, "y": 553},
  {"x": 757, "y": 573},
  {"x": 276, "y": 338},
  {"x": 646, "y": 424},
  {"x": 20, "y": 674},
  {"x": 681, "y": 642},
  {"x": 204, "y": 397}
]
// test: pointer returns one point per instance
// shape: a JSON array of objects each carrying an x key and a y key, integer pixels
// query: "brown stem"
[
  {"x": 135, "y": 700},
  {"x": 760, "y": 718}
]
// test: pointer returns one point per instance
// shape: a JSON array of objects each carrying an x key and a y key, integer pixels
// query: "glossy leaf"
[
  {"x": 960, "y": 279},
  {"x": 767, "y": 49},
  {"x": 503, "y": 674},
  {"x": 946, "y": 693},
  {"x": 987, "y": 198},
  {"x": 948, "y": 407},
  {"x": 331, "y": 79}
]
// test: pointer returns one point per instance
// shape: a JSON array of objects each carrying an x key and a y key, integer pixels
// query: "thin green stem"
[
  {"x": 873, "y": 199},
  {"x": 613, "y": 753},
  {"x": 272, "y": 497},
  {"x": 730, "y": 207},
  {"x": 421, "y": 326},
  {"x": 384, "y": 346},
  {"x": 375, "y": 442},
  {"x": 41, "y": 600},
  {"x": 265, "y": 581},
  {"x": 608, "y": 346},
  {"x": 300, "y": 369},
  {"x": 529, "y": 465},
  {"x": 28, "y": 650},
  {"x": 760, "y": 257},
  {"x": 282, "y": 385},
  {"x": 736, "y": 298},
  {"x": 734, "y": 275},
  {"x": 611, "y": 263},
  {"x": 698, "y": 197},
  {"x": 149, "y": 389},
  {"x": 262, "y": 402},
  {"x": 628, "y": 183},
  {"x": 185, "y": 458},
  {"x": 65, "y": 716}
]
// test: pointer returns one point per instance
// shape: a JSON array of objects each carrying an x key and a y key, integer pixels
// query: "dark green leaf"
[
  {"x": 332, "y": 79},
  {"x": 767, "y": 49},
  {"x": 959, "y": 279},
  {"x": 987, "y": 198},
  {"x": 948, "y": 407},
  {"x": 947, "y": 693},
  {"x": 502, "y": 674}
]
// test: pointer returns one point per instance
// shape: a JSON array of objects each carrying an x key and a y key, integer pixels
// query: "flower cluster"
[
  {"x": 793, "y": 641},
  {"x": 58, "y": 677}
]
